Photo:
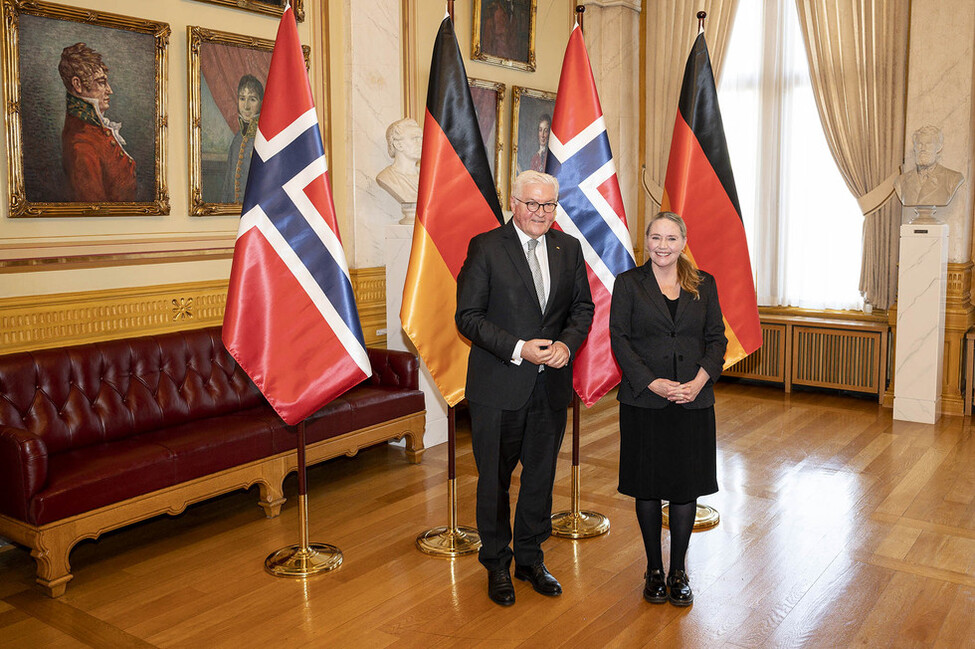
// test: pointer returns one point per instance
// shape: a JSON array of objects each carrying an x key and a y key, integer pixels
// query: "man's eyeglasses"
[{"x": 533, "y": 206}]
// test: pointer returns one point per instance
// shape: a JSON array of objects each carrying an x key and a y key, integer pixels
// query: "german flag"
[
  {"x": 701, "y": 188},
  {"x": 456, "y": 200}
]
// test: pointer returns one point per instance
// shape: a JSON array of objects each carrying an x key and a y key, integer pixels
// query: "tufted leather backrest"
[{"x": 88, "y": 394}]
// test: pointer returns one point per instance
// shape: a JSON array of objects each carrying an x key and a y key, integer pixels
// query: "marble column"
[
  {"x": 399, "y": 240},
  {"x": 612, "y": 33},
  {"x": 922, "y": 282}
]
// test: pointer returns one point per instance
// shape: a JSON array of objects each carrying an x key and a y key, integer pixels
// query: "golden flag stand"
[
  {"x": 304, "y": 559},
  {"x": 705, "y": 517},
  {"x": 452, "y": 540},
  {"x": 577, "y": 524}
]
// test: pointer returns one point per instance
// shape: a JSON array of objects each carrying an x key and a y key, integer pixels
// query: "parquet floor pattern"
[{"x": 839, "y": 528}]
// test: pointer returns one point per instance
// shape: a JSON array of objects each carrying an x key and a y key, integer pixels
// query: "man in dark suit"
[{"x": 523, "y": 300}]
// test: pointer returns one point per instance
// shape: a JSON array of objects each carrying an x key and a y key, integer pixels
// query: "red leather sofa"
[{"x": 99, "y": 436}]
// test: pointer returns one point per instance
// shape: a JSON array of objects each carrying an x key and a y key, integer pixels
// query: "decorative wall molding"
[
  {"x": 369, "y": 285},
  {"x": 46, "y": 321},
  {"x": 32, "y": 257},
  {"x": 58, "y": 320},
  {"x": 959, "y": 317}
]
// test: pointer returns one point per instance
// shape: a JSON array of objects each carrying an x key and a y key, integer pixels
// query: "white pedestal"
[
  {"x": 922, "y": 280},
  {"x": 399, "y": 240}
]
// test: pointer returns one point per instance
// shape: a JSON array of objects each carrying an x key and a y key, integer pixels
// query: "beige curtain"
[
  {"x": 857, "y": 51},
  {"x": 671, "y": 27}
]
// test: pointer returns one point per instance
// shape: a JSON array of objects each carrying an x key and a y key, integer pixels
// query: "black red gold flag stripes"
[
  {"x": 700, "y": 187},
  {"x": 456, "y": 200}
]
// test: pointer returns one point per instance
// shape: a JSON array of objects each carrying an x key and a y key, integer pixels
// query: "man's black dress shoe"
[
  {"x": 680, "y": 589},
  {"x": 655, "y": 591},
  {"x": 500, "y": 589},
  {"x": 541, "y": 579}
]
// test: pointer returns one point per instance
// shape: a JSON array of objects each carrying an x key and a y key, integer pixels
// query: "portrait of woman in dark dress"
[
  {"x": 250, "y": 96},
  {"x": 668, "y": 337}
]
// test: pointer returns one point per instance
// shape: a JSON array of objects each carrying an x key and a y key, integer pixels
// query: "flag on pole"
[
  {"x": 456, "y": 200},
  {"x": 590, "y": 209},
  {"x": 701, "y": 188},
  {"x": 291, "y": 320}
]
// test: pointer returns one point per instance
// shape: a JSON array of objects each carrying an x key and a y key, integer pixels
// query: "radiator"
[
  {"x": 768, "y": 363},
  {"x": 829, "y": 358},
  {"x": 819, "y": 352}
]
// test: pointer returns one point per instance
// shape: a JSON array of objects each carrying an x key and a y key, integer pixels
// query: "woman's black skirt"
[{"x": 667, "y": 454}]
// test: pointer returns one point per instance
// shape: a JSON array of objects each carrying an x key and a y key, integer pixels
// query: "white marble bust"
[
  {"x": 404, "y": 142},
  {"x": 929, "y": 183}
]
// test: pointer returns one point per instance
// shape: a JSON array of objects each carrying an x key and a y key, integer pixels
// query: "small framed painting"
[
  {"x": 504, "y": 33},
  {"x": 531, "y": 124},
  {"x": 488, "y": 99},
  {"x": 227, "y": 74},
  {"x": 269, "y": 7}
]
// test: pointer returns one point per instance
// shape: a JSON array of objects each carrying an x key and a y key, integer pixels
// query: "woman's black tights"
[{"x": 681, "y": 525}]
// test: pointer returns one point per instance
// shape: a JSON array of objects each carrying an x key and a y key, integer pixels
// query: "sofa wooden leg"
[
  {"x": 272, "y": 489},
  {"x": 414, "y": 447},
  {"x": 53, "y": 568}
]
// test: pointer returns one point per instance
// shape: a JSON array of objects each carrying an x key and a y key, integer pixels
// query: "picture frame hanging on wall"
[
  {"x": 489, "y": 99},
  {"x": 85, "y": 111},
  {"x": 227, "y": 75},
  {"x": 267, "y": 7},
  {"x": 531, "y": 125},
  {"x": 504, "y": 33}
]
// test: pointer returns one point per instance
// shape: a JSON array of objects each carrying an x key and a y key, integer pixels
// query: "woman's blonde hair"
[{"x": 687, "y": 273}]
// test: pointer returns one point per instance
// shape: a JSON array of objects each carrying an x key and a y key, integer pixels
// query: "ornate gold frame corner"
[
  {"x": 261, "y": 7},
  {"x": 517, "y": 92},
  {"x": 500, "y": 90},
  {"x": 195, "y": 38},
  {"x": 477, "y": 54},
  {"x": 18, "y": 205}
]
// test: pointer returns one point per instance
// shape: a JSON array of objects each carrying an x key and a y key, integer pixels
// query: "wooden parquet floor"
[{"x": 839, "y": 528}]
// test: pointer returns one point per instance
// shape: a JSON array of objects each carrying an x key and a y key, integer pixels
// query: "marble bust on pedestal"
[
  {"x": 404, "y": 143},
  {"x": 929, "y": 184}
]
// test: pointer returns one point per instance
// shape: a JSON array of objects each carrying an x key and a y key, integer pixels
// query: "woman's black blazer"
[{"x": 646, "y": 339}]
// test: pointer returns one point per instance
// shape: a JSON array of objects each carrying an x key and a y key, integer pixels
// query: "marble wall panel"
[
  {"x": 375, "y": 99},
  {"x": 939, "y": 91}
]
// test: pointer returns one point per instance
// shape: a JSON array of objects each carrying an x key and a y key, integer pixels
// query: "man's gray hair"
[
  {"x": 532, "y": 177},
  {"x": 932, "y": 131}
]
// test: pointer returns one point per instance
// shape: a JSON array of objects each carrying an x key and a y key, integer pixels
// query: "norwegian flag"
[
  {"x": 291, "y": 320},
  {"x": 590, "y": 209}
]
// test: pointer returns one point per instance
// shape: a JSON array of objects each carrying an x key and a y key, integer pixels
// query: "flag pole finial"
[
  {"x": 701, "y": 15},
  {"x": 580, "y": 11}
]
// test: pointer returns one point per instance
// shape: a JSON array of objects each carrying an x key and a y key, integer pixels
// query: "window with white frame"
[{"x": 803, "y": 225}]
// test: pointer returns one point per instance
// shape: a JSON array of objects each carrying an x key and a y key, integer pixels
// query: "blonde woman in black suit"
[{"x": 668, "y": 338}]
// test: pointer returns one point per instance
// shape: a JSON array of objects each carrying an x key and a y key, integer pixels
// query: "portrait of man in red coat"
[{"x": 97, "y": 165}]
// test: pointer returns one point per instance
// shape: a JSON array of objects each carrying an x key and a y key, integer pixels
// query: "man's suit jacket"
[
  {"x": 645, "y": 339},
  {"x": 497, "y": 306}
]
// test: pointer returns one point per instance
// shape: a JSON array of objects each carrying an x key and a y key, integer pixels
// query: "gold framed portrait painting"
[
  {"x": 504, "y": 33},
  {"x": 531, "y": 125},
  {"x": 488, "y": 99},
  {"x": 85, "y": 111},
  {"x": 267, "y": 7},
  {"x": 227, "y": 75}
]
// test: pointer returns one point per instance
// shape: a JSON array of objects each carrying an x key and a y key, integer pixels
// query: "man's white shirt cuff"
[{"x": 516, "y": 355}]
